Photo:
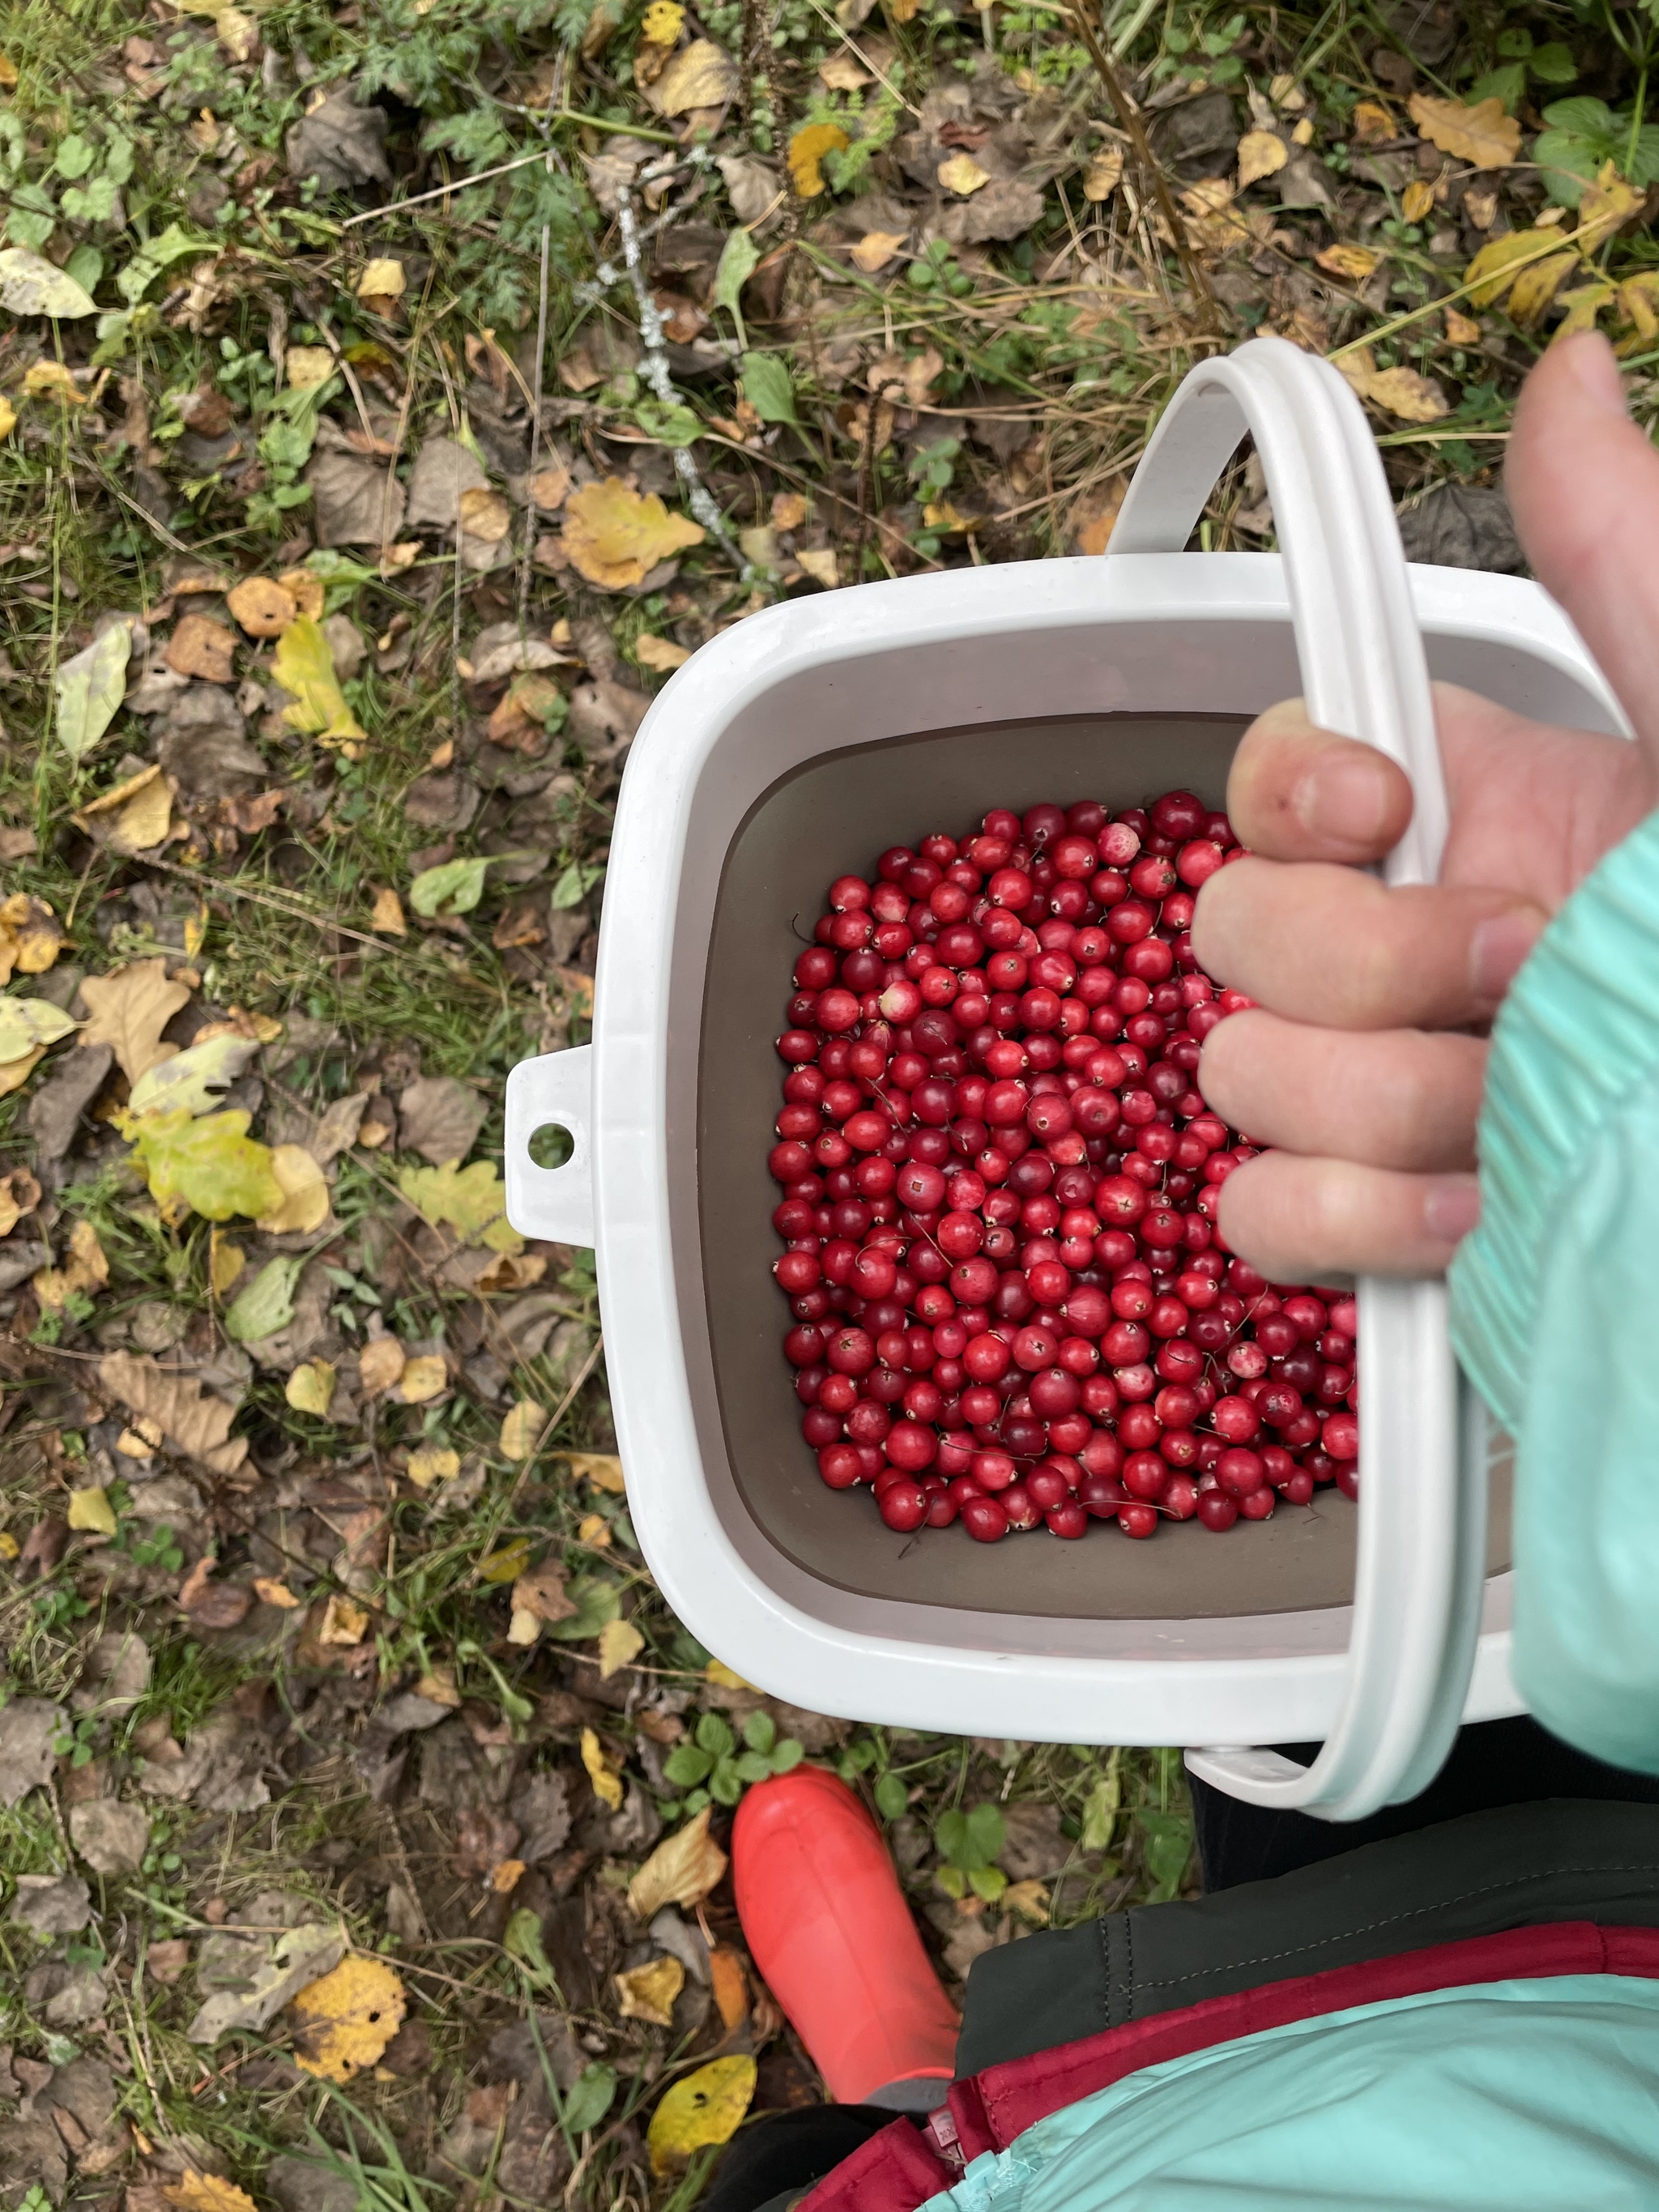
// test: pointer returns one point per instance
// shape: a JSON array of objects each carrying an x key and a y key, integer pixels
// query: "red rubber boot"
[{"x": 832, "y": 1937}]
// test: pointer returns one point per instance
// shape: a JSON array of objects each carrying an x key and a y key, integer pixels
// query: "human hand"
[{"x": 1360, "y": 1065}]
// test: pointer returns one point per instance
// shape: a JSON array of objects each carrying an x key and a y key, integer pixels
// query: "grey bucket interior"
[{"x": 832, "y": 815}]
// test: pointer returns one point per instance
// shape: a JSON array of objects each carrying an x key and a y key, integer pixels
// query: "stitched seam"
[
  {"x": 1418, "y": 1912},
  {"x": 1103, "y": 1928}
]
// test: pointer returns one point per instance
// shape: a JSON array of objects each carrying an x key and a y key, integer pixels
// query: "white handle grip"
[
  {"x": 1419, "y": 1573},
  {"x": 556, "y": 1203}
]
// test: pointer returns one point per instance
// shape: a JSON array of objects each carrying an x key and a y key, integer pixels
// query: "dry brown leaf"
[
  {"x": 201, "y": 646},
  {"x": 1260, "y": 153},
  {"x": 1096, "y": 514},
  {"x": 343, "y": 1623},
  {"x": 84, "y": 1272},
  {"x": 547, "y": 488},
  {"x": 485, "y": 515},
  {"x": 1371, "y": 123},
  {"x": 388, "y": 914},
  {"x": 682, "y": 1870},
  {"x": 205, "y": 2193},
  {"x": 344, "y": 2021},
  {"x": 20, "y": 1193},
  {"x": 1353, "y": 264},
  {"x": 305, "y": 1192},
  {"x": 31, "y": 937},
  {"x": 540, "y": 1594},
  {"x": 14, "y": 1073},
  {"x": 876, "y": 249},
  {"x": 269, "y": 1589},
  {"x": 961, "y": 174},
  {"x": 1402, "y": 391},
  {"x": 730, "y": 1983},
  {"x": 1482, "y": 135},
  {"x": 210, "y": 1604},
  {"x": 648, "y": 1992},
  {"x": 380, "y": 1364},
  {"x": 262, "y": 607},
  {"x": 843, "y": 71},
  {"x": 191, "y": 1419},
  {"x": 305, "y": 585},
  {"x": 131, "y": 1007},
  {"x": 702, "y": 75},
  {"x": 1103, "y": 174},
  {"x": 615, "y": 538},
  {"x": 1462, "y": 330}
]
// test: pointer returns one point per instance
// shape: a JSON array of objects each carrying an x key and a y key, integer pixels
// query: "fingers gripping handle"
[
  {"x": 556, "y": 1203},
  {"x": 1419, "y": 1571}
]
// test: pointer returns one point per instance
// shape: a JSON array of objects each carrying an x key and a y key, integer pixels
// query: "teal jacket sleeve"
[{"x": 1555, "y": 1305}]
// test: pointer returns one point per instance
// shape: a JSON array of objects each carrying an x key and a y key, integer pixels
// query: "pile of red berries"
[{"x": 1010, "y": 1299}]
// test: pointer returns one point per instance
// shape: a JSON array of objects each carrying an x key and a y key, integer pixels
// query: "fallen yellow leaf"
[
  {"x": 648, "y": 1992},
  {"x": 807, "y": 147},
  {"x": 344, "y": 2021},
  {"x": 1533, "y": 293},
  {"x": 423, "y": 1377},
  {"x": 1462, "y": 330},
  {"x": 519, "y": 1430},
  {"x": 1606, "y": 206},
  {"x": 1412, "y": 397},
  {"x": 31, "y": 936},
  {"x": 1354, "y": 264},
  {"x": 304, "y": 667},
  {"x": 961, "y": 174},
  {"x": 1371, "y": 122},
  {"x": 388, "y": 914},
  {"x": 504, "y": 1878},
  {"x": 1260, "y": 153},
  {"x": 381, "y": 280},
  {"x": 344, "y": 1623},
  {"x": 876, "y": 249},
  {"x": 663, "y": 22},
  {"x": 603, "y": 1469},
  {"x": 226, "y": 1261},
  {"x": 1028, "y": 1898},
  {"x": 50, "y": 380},
  {"x": 380, "y": 1364},
  {"x": 1482, "y": 135},
  {"x": 485, "y": 515},
  {"x": 305, "y": 585},
  {"x": 271, "y": 1589},
  {"x": 604, "y": 1777},
  {"x": 90, "y": 1509},
  {"x": 310, "y": 1387},
  {"x": 305, "y": 1192},
  {"x": 702, "y": 75},
  {"x": 1492, "y": 271},
  {"x": 84, "y": 1272},
  {"x": 594, "y": 1529},
  {"x": 306, "y": 366},
  {"x": 131, "y": 1007},
  {"x": 430, "y": 1463},
  {"x": 14, "y": 1073},
  {"x": 660, "y": 654},
  {"x": 506, "y": 1564},
  {"x": 207, "y": 2192},
  {"x": 731, "y": 1986},
  {"x": 619, "y": 1643},
  {"x": 725, "y": 1677},
  {"x": 615, "y": 537},
  {"x": 682, "y": 1870},
  {"x": 1417, "y": 199},
  {"x": 706, "y": 2107},
  {"x": 8, "y": 418}
]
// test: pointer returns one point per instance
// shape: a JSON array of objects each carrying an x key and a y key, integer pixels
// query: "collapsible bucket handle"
[{"x": 1418, "y": 1575}]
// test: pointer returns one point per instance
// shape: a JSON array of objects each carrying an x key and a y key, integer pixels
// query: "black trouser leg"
[
  {"x": 784, "y": 2154},
  {"x": 1494, "y": 1763}
]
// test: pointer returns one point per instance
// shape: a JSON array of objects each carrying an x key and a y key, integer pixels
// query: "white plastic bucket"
[{"x": 791, "y": 750}]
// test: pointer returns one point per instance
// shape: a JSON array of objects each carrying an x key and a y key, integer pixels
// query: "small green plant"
[
  {"x": 969, "y": 1843},
  {"x": 711, "y": 1767}
]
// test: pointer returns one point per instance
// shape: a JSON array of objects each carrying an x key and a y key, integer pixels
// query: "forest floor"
[{"x": 351, "y": 511}]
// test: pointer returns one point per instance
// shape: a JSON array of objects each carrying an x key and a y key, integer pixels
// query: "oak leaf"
[
  {"x": 1494, "y": 270},
  {"x": 196, "y": 1079},
  {"x": 702, "y": 75},
  {"x": 344, "y": 2021},
  {"x": 191, "y": 1419},
  {"x": 266, "y": 1304},
  {"x": 1482, "y": 135},
  {"x": 1412, "y": 397},
  {"x": 131, "y": 1007},
  {"x": 615, "y": 537},
  {"x": 682, "y": 1870},
  {"x": 660, "y": 654},
  {"x": 304, "y": 667},
  {"x": 1354, "y": 264},
  {"x": 208, "y": 1165},
  {"x": 473, "y": 1201}
]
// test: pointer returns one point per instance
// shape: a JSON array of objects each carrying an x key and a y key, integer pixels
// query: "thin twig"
[
  {"x": 505, "y": 169},
  {"x": 232, "y": 889}
]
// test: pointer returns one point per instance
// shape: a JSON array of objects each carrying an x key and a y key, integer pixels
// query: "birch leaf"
[
  {"x": 131, "y": 1007},
  {"x": 1482, "y": 135},
  {"x": 91, "y": 687},
  {"x": 26, "y": 1023},
  {"x": 304, "y": 665},
  {"x": 706, "y": 2107}
]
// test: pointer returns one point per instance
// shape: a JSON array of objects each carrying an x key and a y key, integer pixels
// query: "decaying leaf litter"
[{"x": 389, "y": 400}]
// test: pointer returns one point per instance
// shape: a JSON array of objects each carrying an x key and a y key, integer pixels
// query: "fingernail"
[
  {"x": 1452, "y": 1208},
  {"x": 1347, "y": 796},
  {"x": 1595, "y": 372},
  {"x": 1498, "y": 949}
]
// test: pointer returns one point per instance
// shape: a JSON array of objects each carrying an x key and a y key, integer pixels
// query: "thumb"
[{"x": 1583, "y": 483}]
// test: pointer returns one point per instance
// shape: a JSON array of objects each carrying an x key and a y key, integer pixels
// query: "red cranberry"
[{"x": 984, "y": 1519}]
